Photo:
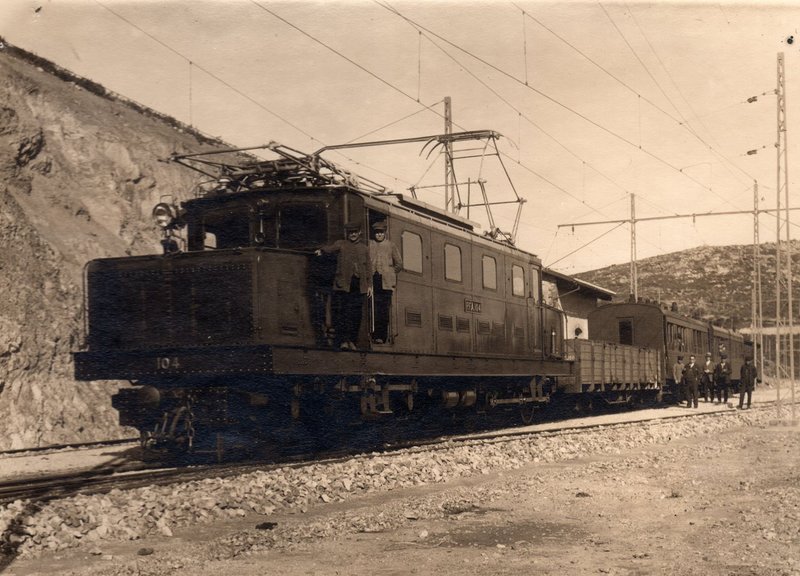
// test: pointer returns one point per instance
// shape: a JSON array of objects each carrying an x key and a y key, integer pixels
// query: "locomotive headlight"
[{"x": 164, "y": 215}]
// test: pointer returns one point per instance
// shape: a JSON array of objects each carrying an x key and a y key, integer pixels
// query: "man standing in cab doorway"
[
  {"x": 386, "y": 262},
  {"x": 351, "y": 283}
]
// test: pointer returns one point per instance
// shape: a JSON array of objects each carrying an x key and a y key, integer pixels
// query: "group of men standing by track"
[{"x": 710, "y": 380}]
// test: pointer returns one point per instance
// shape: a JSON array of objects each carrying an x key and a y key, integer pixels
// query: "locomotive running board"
[{"x": 226, "y": 361}]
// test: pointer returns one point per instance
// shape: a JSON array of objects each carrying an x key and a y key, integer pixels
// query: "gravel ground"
[{"x": 290, "y": 508}]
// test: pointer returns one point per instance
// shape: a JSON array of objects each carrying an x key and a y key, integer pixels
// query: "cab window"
[
  {"x": 302, "y": 226},
  {"x": 226, "y": 229}
]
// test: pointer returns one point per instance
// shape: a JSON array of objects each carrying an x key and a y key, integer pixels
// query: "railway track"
[
  {"x": 75, "y": 446},
  {"x": 125, "y": 475}
]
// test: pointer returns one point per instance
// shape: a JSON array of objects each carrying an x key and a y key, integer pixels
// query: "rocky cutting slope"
[{"x": 79, "y": 174}]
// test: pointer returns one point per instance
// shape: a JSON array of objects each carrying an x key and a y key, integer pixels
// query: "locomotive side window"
[
  {"x": 517, "y": 280},
  {"x": 626, "y": 332},
  {"x": 302, "y": 226},
  {"x": 535, "y": 285},
  {"x": 411, "y": 252},
  {"x": 550, "y": 293},
  {"x": 452, "y": 263},
  {"x": 489, "y": 273}
]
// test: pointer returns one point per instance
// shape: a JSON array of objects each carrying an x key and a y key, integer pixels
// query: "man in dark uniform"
[
  {"x": 692, "y": 374},
  {"x": 747, "y": 377},
  {"x": 707, "y": 382},
  {"x": 351, "y": 283},
  {"x": 386, "y": 263},
  {"x": 722, "y": 379}
]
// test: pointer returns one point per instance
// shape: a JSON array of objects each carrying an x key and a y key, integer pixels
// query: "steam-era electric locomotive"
[{"x": 229, "y": 331}]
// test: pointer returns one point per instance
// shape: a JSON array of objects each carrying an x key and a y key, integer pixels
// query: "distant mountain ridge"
[{"x": 709, "y": 282}]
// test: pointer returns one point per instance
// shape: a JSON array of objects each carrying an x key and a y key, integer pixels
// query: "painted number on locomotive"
[
  {"x": 472, "y": 306},
  {"x": 167, "y": 363}
]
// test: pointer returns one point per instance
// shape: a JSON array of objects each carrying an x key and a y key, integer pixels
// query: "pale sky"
[{"x": 596, "y": 101}]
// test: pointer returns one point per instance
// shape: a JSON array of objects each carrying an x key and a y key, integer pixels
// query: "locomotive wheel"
[
  {"x": 584, "y": 405},
  {"x": 527, "y": 411}
]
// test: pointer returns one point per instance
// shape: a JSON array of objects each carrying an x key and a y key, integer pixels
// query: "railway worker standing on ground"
[
  {"x": 747, "y": 377},
  {"x": 708, "y": 379},
  {"x": 680, "y": 383},
  {"x": 722, "y": 379},
  {"x": 692, "y": 374},
  {"x": 386, "y": 263},
  {"x": 351, "y": 283}
]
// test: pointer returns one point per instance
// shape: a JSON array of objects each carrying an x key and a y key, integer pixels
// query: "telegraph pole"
[
  {"x": 634, "y": 272},
  {"x": 757, "y": 300},
  {"x": 783, "y": 275},
  {"x": 449, "y": 172}
]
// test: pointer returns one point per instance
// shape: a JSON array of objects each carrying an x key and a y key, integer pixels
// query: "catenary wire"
[{"x": 556, "y": 102}]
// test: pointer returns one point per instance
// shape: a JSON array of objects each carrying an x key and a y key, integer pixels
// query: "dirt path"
[{"x": 726, "y": 505}]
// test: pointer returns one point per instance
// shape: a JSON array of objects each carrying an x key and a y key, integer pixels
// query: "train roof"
[
  {"x": 236, "y": 173},
  {"x": 675, "y": 317}
]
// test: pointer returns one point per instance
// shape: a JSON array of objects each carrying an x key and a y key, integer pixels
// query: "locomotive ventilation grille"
[{"x": 201, "y": 305}]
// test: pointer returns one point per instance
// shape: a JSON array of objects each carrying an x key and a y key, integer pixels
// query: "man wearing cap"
[
  {"x": 692, "y": 375},
  {"x": 351, "y": 282},
  {"x": 722, "y": 379},
  {"x": 677, "y": 375},
  {"x": 386, "y": 262},
  {"x": 747, "y": 377},
  {"x": 707, "y": 382}
]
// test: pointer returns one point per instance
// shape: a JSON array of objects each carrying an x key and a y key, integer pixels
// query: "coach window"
[
  {"x": 452, "y": 263},
  {"x": 412, "y": 252},
  {"x": 626, "y": 332},
  {"x": 489, "y": 273},
  {"x": 517, "y": 280}
]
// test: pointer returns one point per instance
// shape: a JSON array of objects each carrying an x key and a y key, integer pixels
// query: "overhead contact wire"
[{"x": 551, "y": 99}]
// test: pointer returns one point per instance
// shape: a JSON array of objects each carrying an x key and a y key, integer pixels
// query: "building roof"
[{"x": 572, "y": 283}]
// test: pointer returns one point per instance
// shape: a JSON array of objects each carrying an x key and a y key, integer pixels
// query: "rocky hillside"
[
  {"x": 79, "y": 174},
  {"x": 712, "y": 282}
]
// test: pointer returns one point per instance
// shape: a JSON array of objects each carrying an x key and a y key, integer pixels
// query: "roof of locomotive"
[
  {"x": 393, "y": 204},
  {"x": 241, "y": 175}
]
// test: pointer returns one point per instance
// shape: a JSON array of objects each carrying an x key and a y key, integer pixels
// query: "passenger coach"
[{"x": 649, "y": 325}]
